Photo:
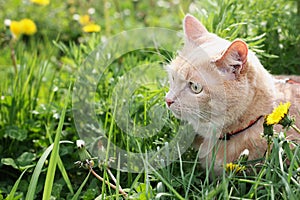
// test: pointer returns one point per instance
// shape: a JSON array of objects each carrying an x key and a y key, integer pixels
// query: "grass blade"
[
  {"x": 54, "y": 155},
  {"x": 75, "y": 197},
  {"x": 168, "y": 185},
  {"x": 15, "y": 187},
  {"x": 65, "y": 175},
  {"x": 37, "y": 171},
  {"x": 61, "y": 167}
]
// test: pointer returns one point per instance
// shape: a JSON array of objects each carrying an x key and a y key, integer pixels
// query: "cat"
[{"x": 224, "y": 92}]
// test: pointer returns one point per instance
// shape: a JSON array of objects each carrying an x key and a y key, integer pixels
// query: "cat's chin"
[
  {"x": 203, "y": 128},
  {"x": 182, "y": 116},
  {"x": 176, "y": 113}
]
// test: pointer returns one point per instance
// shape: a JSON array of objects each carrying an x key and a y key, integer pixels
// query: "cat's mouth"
[
  {"x": 194, "y": 115},
  {"x": 179, "y": 113},
  {"x": 176, "y": 112}
]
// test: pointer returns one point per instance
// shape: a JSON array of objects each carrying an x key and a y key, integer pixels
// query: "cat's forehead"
[
  {"x": 195, "y": 59},
  {"x": 190, "y": 64},
  {"x": 185, "y": 67}
]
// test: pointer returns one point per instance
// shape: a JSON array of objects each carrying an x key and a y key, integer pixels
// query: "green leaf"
[
  {"x": 56, "y": 190},
  {"x": 22, "y": 162},
  {"x": 16, "y": 133},
  {"x": 25, "y": 159},
  {"x": 145, "y": 192},
  {"x": 9, "y": 162}
]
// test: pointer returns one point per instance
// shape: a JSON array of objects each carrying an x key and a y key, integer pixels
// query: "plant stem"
[
  {"x": 269, "y": 149},
  {"x": 106, "y": 17},
  {"x": 13, "y": 57},
  {"x": 113, "y": 177},
  {"x": 107, "y": 182},
  {"x": 295, "y": 128}
]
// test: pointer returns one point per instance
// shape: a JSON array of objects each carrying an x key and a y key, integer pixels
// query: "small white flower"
[
  {"x": 126, "y": 12},
  {"x": 176, "y": 1},
  {"x": 55, "y": 89},
  {"x": 163, "y": 4},
  {"x": 244, "y": 155},
  {"x": 80, "y": 143},
  {"x": 56, "y": 116},
  {"x": 117, "y": 15},
  {"x": 43, "y": 106},
  {"x": 245, "y": 152},
  {"x": 103, "y": 39},
  {"x": 281, "y": 136},
  {"x": 35, "y": 112},
  {"x": 7, "y": 22},
  {"x": 193, "y": 8},
  {"x": 281, "y": 46},
  {"x": 76, "y": 17},
  {"x": 91, "y": 11},
  {"x": 262, "y": 135},
  {"x": 107, "y": 5}
]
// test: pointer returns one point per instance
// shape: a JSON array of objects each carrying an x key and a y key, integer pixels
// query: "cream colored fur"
[{"x": 236, "y": 89}]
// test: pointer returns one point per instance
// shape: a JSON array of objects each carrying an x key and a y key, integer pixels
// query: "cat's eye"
[{"x": 195, "y": 87}]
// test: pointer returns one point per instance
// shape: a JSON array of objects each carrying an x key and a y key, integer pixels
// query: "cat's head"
[{"x": 208, "y": 77}]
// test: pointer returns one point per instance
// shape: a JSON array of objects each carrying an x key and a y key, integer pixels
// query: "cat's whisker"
[
  {"x": 205, "y": 112},
  {"x": 204, "y": 115}
]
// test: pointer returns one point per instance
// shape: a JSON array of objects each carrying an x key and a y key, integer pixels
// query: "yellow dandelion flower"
[
  {"x": 91, "y": 28},
  {"x": 28, "y": 26},
  {"x": 41, "y": 2},
  {"x": 25, "y": 26},
  {"x": 16, "y": 28},
  {"x": 278, "y": 113},
  {"x": 230, "y": 167},
  {"x": 84, "y": 20}
]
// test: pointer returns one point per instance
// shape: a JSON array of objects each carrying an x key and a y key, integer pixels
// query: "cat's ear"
[
  {"x": 193, "y": 28},
  {"x": 234, "y": 58}
]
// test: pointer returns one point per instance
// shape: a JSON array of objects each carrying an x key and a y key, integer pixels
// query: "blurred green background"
[{"x": 276, "y": 22}]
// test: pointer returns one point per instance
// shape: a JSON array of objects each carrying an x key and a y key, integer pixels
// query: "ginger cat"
[{"x": 224, "y": 92}]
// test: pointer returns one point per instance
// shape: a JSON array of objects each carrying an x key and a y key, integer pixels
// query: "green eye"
[{"x": 195, "y": 87}]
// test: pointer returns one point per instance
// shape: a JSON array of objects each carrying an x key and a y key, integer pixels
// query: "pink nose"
[{"x": 169, "y": 102}]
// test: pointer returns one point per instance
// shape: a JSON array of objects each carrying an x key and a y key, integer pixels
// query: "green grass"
[{"x": 36, "y": 114}]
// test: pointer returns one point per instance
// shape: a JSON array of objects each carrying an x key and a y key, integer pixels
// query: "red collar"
[
  {"x": 229, "y": 134},
  {"x": 291, "y": 81}
]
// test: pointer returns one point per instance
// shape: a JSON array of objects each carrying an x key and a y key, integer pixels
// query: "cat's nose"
[{"x": 169, "y": 102}]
